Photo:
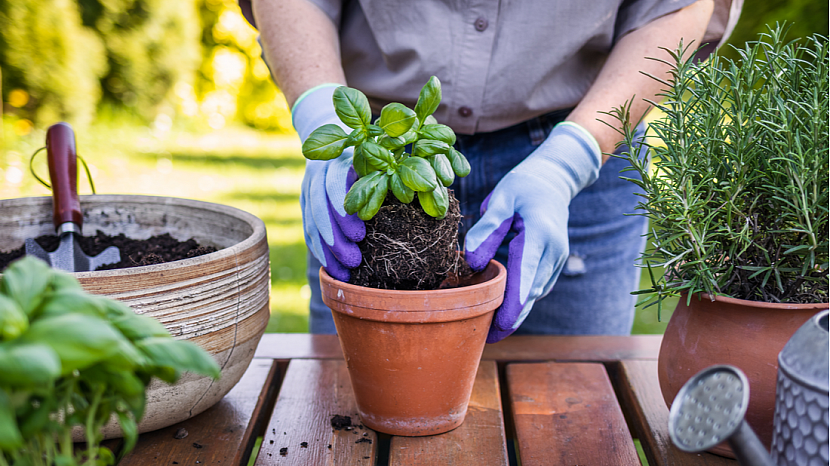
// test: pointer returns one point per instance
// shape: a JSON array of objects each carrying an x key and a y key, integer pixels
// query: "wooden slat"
[
  {"x": 312, "y": 392},
  {"x": 515, "y": 348},
  {"x": 223, "y": 434},
  {"x": 639, "y": 390},
  {"x": 479, "y": 441},
  {"x": 567, "y": 413}
]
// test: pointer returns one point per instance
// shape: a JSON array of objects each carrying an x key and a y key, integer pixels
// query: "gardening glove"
[
  {"x": 329, "y": 232},
  {"x": 532, "y": 200}
]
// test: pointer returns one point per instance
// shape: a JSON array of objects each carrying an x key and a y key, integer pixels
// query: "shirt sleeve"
[
  {"x": 332, "y": 8},
  {"x": 634, "y": 14}
]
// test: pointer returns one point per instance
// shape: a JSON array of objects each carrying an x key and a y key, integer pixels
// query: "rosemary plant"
[{"x": 737, "y": 197}]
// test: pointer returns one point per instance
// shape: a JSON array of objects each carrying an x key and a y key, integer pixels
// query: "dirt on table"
[
  {"x": 406, "y": 249},
  {"x": 134, "y": 252}
]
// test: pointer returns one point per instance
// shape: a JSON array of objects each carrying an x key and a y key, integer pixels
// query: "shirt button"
[
  {"x": 481, "y": 23},
  {"x": 465, "y": 111}
]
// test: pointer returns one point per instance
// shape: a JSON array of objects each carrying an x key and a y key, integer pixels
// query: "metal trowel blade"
[{"x": 70, "y": 258}]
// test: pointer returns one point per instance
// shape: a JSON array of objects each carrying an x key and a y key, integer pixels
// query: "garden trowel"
[{"x": 66, "y": 207}]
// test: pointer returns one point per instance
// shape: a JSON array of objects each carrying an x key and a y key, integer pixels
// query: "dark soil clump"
[
  {"x": 339, "y": 422},
  {"x": 134, "y": 252},
  {"x": 406, "y": 249}
]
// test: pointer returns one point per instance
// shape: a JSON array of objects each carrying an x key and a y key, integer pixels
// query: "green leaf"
[
  {"x": 72, "y": 301},
  {"x": 378, "y": 156},
  {"x": 35, "y": 419},
  {"x": 410, "y": 137},
  {"x": 439, "y": 133},
  {"x": 436, "y": 202},
  {"x": 325, "y": 143},
  {"x": 137, "y": 327},
  {"x": 13, "y": 321},
  {"x": 10, "y": 438},
  {"x": 79, "y": 340},
  {"x": 28, "y": 364},
  {"x": 392, "y": 143},
  {"x": 361, "y": 191},
  {"x": 400, "y": 190},
  {"x": 356, "y": 137},
  {"x": 375, "y": 130},
  {"x": 428, "y": 147},
  {"x": 25, "y": 282},
  {"x": 130, "y": 430},
  {"x": 375, "y": 201},
  {"x": 352, "y": 107},
  {"x": 443, "y": 169},
  {"x": 430, "y": 120},
  {"x": 179, "y": 355},
  {"x": 360, "y": 163},
  {"x": 428, "y": 99},
  {"x": 417, "y": 174},
  {"x": 459, "y": 163},
  {"x": 396, "y": 119}
]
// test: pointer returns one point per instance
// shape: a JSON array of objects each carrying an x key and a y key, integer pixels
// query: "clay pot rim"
[
  {"x": 759, "y": 304},
  {"x": 257, "y": 226},
  {"x": 446, "y": 293}
]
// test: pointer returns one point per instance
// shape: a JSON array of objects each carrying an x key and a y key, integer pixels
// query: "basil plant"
[{"x": 381, "y": 160}]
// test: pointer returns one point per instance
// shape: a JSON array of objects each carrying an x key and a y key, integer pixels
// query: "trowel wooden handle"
[{"x": 63, "y": 170}]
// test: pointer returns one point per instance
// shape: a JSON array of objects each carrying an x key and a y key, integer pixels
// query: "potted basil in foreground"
[{"x": 412, "y": 344}]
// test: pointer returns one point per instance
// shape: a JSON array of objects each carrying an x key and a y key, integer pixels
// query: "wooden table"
[{"x": 545, "y": 400}]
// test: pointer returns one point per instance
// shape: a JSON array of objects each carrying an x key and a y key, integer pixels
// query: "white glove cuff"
[{"x": 314, "y": 108}]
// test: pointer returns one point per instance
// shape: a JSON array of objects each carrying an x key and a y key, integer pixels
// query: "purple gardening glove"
[
  {"x": 533, "y": 200},
  {"x": 329, "y": 232}
]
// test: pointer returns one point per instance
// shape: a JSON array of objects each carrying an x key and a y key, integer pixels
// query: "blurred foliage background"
[{"x": 172, "y": 98}]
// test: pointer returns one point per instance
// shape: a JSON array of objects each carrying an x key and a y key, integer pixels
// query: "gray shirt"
[{"x": 499, "y": 62}]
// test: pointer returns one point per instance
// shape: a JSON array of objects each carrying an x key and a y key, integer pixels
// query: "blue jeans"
[{"x": 593, "y": 294}]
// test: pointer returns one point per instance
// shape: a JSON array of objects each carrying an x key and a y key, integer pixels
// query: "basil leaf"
[
  {"x": 10, "y": 438},
  {"x": 130, "y": 430},
  {"x": 428, "y": 99},
  {"x": 428, "y": 147},
  {"x": 352, "y": 107},
  {"x": 13, "y": 321},
  {"x": 459, "y": 163},
  {"x": 138, "y": 327},
  {"x": 375, "y": 201},
  {"x": 72, "y": 301},
  {"x": 439, "y": 132},
  {"x": 361, "y": 165},
  {"x": 410, "y": 137},
  {"x": 375, "y": 130},
  {"x": 401, "y": 191},
  {"x": 179, "y": 355},
  {"x": 392, "y": 143},
  {"x": 443, "y": 169},
  {"x": 79, "y": 340},
  {"x": 36, "y": 419},
  {"x": 361, "y": 191},
  {"x": 378, "y": 156},
  {"x": 436, "y": 202},
  {"x": 325, "y": 143},
  {"x": 430, "y": 120},
  {"x": 25, "y": 282},
  {"x": 396, "y": 119},
  {"x": 417, "y": 174},
  {"x": 356, "y": 137},
  {"x": 28, "y": 364}
]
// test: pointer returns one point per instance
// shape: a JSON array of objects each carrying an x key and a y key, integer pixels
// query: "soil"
[
  {"x": 406, "y": 249},
  {"x": 134, "y": 252},
  {"x": 338, "y": 421}
]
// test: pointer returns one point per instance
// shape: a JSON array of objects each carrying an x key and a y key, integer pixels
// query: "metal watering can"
[{"x": 710, "y": 407}]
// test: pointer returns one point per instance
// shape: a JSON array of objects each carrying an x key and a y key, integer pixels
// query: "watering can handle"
[{"x": 63, "y": 171}]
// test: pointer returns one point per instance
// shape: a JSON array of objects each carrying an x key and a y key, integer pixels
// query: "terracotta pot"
[
  {"x": 218, "y": 301},
  {"x": 746, "y": 334},
  {"x": 413, "y": 355}
]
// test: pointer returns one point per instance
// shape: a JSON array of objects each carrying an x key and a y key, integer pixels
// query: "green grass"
[{"x": 253, "y": 171}]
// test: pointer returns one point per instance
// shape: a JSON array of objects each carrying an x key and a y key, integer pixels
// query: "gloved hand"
[
  {"x": 329, "y": 232},
  {"x": 532, "y": 200}
]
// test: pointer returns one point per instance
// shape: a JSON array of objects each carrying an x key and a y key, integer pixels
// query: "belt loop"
[{"x": 536, "y": 130}]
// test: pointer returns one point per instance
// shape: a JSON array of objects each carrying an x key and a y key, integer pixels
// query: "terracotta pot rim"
[
  {"x": 256, "y": 224},
  {"x": 760, "y": 304},
  {"x": 415, "y": 294}
]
